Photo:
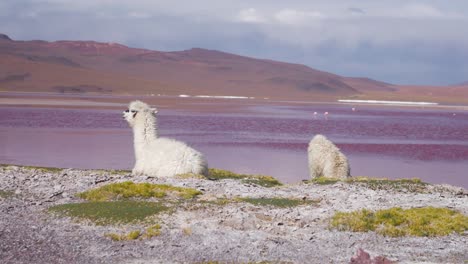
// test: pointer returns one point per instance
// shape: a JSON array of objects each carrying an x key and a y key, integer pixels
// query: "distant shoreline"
[
  {"x": 389, "y": 102},
  {"x": 11, "y": 99}
]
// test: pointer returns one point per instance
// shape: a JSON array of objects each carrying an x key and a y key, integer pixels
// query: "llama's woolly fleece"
[
  {"x": 326, "y": 160},
  {"x": 155, "y": 156}
]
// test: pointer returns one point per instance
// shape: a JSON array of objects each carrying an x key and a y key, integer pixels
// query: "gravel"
[{"x": 233, "y": 232}]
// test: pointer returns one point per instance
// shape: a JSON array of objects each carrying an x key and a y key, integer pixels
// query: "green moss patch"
[
  {"x": 115, "y": 212},
  {"x": 277, "y": 202},
  {"x": 260, "y": 180},
  {"x": 396, "y": 222},
  {"x": 126, "y": 190}
]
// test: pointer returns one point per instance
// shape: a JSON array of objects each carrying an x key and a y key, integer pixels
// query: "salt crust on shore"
[{"x": 234, "y": 233}]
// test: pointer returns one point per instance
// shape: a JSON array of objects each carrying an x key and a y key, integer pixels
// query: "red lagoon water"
[{"x": 393, "y": 143}]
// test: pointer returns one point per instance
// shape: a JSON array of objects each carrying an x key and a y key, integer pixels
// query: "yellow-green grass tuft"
[
  {"x": 396, "y": 222},
  {"x": 190, "y": 176},
  {"x": 150, "y": 232},
  {"x": 153, "y": 231},
  {"x": 110, "y": 213},
  {"x": 260, "y": 180},
  {"x": 277, "y": 202},
  {"x": 187, "y": 231},
  {"x": 126, "y": 190},
  {"x": 133, "y": 235}
]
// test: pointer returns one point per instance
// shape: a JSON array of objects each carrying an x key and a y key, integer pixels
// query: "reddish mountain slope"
[{"x": 93, "y": 67}]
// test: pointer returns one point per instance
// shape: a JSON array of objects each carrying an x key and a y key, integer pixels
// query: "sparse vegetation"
[
  {"x": 126, "y": 190},
  {"x": 277, "y": 202},
  {"x": 150, "y": 232},
  {"x": 203, "y": 204},
  {"x": 133, "y": 235},
  {"x": 38, "y": 168},
  {"x": 323, "y": 180},
  {"x": 120, "y": 172},
  {"x": 44, "y": 169},
  {"x": 190, "y": 176},
  {"x": 153, "y": 231},
  {"x": 260, "y": 180},
  {"x": 6, "y": 194},
  {"x": 412, "y": 185},
  {"x": 218, "y": 201},
  {"x": 114, "y": 212},
  {"x": 187, "y": 231},
  {"x": 396, "y": 222}
]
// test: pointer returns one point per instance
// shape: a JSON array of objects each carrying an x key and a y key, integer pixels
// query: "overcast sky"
[{"x": 401, "y": 42}]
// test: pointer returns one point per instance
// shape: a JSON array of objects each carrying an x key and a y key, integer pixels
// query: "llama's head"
[{"x": 137, "y": 110}]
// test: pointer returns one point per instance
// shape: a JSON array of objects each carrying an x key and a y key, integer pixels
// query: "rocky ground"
[{"x": 232, "y": 232}]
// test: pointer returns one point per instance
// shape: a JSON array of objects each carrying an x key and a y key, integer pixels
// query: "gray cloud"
[{"x": 417, "y": 42}]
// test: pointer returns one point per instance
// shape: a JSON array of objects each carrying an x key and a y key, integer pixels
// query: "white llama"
[
  {"x": 326, "y": 160},
  {"x": 155, "y": 156}
]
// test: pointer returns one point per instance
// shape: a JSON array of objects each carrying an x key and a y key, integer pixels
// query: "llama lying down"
[
  {"x": 326, "y": 160},
  {"x": 155, "y": 156}
]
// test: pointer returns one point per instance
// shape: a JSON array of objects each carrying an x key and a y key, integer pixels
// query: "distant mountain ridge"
[{"x": 112, "y": 68}]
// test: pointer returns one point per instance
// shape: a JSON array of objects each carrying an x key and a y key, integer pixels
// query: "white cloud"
[
  {"x": 295, "y": 17},
  {"x": 250, "y": 15}
]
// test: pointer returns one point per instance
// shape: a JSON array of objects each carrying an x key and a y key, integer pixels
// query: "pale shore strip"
[
  {"x": 217, "y": 96},
  {"x": 169, "y": 102},
  {"x": 388, "y": 102}
]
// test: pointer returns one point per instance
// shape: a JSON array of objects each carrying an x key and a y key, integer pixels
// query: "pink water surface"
[{"x": 265, "y": 139}]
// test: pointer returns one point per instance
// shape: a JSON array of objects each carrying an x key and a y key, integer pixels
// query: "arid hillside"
[{"x": 110, "y": 68}]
